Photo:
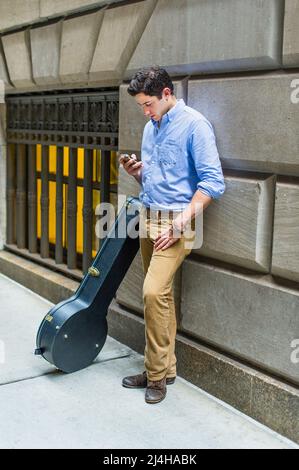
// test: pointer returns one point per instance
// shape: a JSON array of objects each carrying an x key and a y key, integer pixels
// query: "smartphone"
[{"x": 125, "y": 157}]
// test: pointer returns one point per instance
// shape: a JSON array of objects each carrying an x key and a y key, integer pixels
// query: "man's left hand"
[{"x": 165, "y": 240}]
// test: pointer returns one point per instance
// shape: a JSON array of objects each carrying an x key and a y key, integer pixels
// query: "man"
[{"x": 180, "y": 173}]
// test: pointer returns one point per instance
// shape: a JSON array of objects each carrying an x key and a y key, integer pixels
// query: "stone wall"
[
  {"x": 20, "y": 13},
  {"x": 2, "y": 166},
  {"x": 92, "y": 49},
  {"x": 238, "y": 63}
]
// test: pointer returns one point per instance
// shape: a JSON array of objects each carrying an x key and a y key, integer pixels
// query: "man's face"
[{"x": 152, "y": 106}]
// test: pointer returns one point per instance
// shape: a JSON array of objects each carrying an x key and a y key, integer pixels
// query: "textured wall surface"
[
  {"x": 119, "y": 34},
  {"x": 17, "y": 53},
  {"x": 238, "y": 227},
  {"x": 255, "y": 120},
  {"x": 245, "y": 315},
  {"x": 78, "y": 41},
  {"x": 17, "y": 13},
  {"x": 2, "y": 167},
  {"x": 291, "y": 36},
  {"x": 45, "y": 51},
  {"x": 204, "y": 36},
  {"x": 3, "y": 70},
  {"x": 91, "y": 49},
  {"x": 285, "y": 261}
]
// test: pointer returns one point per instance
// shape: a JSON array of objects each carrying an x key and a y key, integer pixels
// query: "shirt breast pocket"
[{"x": 171, "y": 155}]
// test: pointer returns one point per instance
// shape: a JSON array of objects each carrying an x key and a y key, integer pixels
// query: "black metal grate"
[
  {"x": 88, "y": 121},
  {"x": 75, "y": 120}
]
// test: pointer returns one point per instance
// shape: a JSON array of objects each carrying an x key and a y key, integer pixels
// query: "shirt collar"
[{"x": 172, "y": 113}]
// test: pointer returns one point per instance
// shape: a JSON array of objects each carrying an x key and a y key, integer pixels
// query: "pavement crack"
[
  {"x": 24, "y": 379},
  {"x": 112, "y": 359},
  {"x": 60, "y": 372}
]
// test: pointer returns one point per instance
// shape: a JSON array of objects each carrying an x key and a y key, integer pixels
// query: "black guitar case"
[{"x": 74, "y": 331}]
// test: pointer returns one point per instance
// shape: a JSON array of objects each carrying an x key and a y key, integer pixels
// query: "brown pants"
[{"x": 159, "y": 310}]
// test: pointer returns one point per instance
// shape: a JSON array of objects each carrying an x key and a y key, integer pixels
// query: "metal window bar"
[
  {"x": 87, "y": 210},
  {"x": 21, "y": 196},
  {"x": 59, "y": 206},
  {"x": 44, "y": 203},
  {"x": 72, "y": 211},
  {"x": 11, "y": 194},
  {"x": 32, "y": 200}
]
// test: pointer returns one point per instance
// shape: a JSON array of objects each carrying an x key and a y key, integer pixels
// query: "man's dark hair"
[{"x": 150, "y": 81}]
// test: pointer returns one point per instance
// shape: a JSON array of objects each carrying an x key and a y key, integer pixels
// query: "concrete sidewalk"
[{"x": 44, "y": 408}]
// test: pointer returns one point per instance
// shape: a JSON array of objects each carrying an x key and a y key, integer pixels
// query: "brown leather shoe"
[
  {"x": 140, "y": 381},
  {"x": 135, "y": 381},
  {"x": 155, "y": 391}
]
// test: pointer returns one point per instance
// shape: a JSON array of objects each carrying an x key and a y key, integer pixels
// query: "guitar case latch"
[{"x": 93, "y": 271}]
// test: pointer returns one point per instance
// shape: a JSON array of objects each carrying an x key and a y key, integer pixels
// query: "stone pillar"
[{"x": 2, "y": 166}]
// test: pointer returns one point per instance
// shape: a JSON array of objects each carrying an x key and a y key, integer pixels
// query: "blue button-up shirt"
[{"x": 179, "y": 157}]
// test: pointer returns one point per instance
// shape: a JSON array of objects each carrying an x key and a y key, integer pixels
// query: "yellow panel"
[
  {"x": 97, "y": 157},
  {"x": 52, "y": 212},
  {"x": 38, "y": 157},
  {"x": 64, "y": 217},
  {"x": 52, "y": 158},
  {"x": 113, "y": 168},
  {"x": 38, "y": 190},
  {"x": 66, "y": 161},
  {"x": 98, "y": 165},
  {"x": 79, "y": 220},
  {"x": 65, "y": 190},
  {"x": 80, "y": 170}
]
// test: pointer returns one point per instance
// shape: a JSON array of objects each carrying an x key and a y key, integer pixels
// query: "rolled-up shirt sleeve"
[{"x": 206, "y": 160}]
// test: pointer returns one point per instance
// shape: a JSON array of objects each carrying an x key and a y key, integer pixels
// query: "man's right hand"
[{"x": 132, "y": 166}]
